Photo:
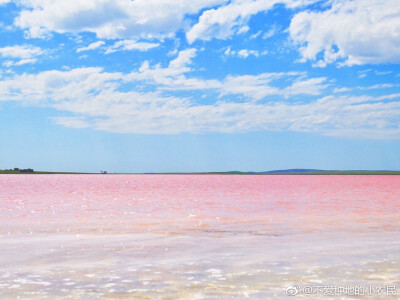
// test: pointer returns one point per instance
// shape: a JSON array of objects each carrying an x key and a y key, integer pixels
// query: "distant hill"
[
  {"x": 330, "y": 172},
  {"x": 307, "y": 172},
  {"x": 294, "y": 171}
]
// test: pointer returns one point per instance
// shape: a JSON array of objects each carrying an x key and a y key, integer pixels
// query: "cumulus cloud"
[
  {"x": 173, "y": 76},
  {"x": 232, "y": 18},
  {"x": 176, "y": 77},
  {"x": 127, "y": 19},
  {"x": 349, "y": 32},
  {"x": 97, "y": 99},
  {"x": 4, "y": 1},
  {"x": 92, "y": 46},
  {"x": 108, "y": 19},
  {"x": 54, "y": 86},
  {"x": 131, "y": 45},
  {"x": 226, "y": 20}
]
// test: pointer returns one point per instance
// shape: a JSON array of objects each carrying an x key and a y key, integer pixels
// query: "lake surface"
[{"x": 197, "y": 236}]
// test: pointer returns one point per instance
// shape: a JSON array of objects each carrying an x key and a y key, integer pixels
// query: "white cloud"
[
  {"x": 379, "y": 86},
  {"x": 363, "y": 73},
  {"x": 223, "y": 22},
  {"x": 257, "y": 87},
  {"x": 22, "y": 54},
  {"x": 383, "y": 73},
  {"x": 271, "y": 32},
  {"x": 312, "y": 86},
  {"x": 342, "y": 90},
  {"x": 26, "y": 61},
  {"x": 94, "y": 99},
  {"x": 172, "y": 76},
  {"x": 243, "y": 53},
  {"x": 131, "y": 45},
  {"x": 243, "y": 29},
  {"x": 72, "y": 122},
  {"x": 108, "y": 19},
  {"x": 183, "y": 59},
  {"x": 255, "y": 35},
  {"x": 92, "y": 46},
  {"x": 349, "y": 32},
  {"x": 53, "y": 86},
  {"x": 230, "y": 19},
  {"x": 2, "y": 2},
  {"x": 253, "y": 87},
  {"x": 24, "y": 51},
  {"x": 10, "y": 63}
]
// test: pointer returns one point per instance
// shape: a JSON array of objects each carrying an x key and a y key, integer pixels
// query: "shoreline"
[{"x": 355, "y": 172}]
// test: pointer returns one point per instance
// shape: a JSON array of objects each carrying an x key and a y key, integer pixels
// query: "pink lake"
[{"x": 195, "y": 236}]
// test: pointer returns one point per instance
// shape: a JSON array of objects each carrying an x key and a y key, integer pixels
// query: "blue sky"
[{"x": 205, "y": 85}]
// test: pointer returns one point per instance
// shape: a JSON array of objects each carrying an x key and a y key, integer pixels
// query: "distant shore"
[
  {"x": 277, "y": 172},
  {"x": 39, "y": 172}
]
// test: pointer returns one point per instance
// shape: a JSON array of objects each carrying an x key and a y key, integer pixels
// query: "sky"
[{"x": 200, "y": 85}]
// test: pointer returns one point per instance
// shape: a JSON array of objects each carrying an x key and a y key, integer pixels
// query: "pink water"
[{"x": 194, "y": 236}]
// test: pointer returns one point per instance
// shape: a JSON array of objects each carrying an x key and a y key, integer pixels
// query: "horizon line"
[{"x": 297, "y": 171}]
